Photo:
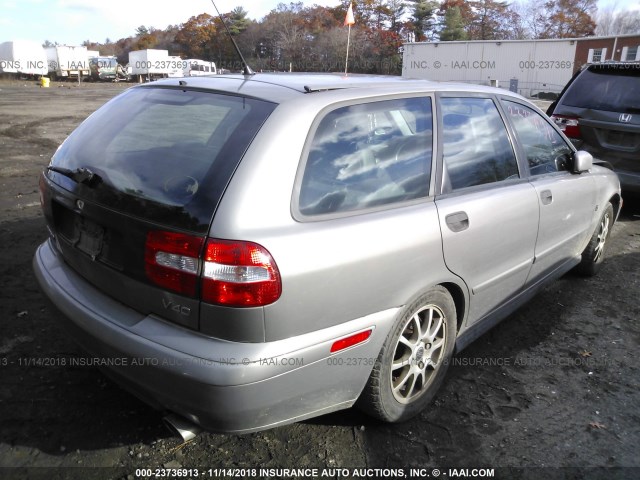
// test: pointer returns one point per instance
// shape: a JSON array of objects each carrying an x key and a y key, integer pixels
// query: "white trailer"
[
  {"x": 150, "y": 63},
  {"x": 68, "y": 61},
  {"x": 93, "y": 53},
  {"x": 176, "y": 67},
  {"x": 23, "y": 57},
  {"x": 196, "y": 68},
  {"x": 529, "y": 67}
]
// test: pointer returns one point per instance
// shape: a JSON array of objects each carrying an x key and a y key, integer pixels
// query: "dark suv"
[{"x": 599, "y": 110}]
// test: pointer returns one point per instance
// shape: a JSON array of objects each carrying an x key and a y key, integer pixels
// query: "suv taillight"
[
  {"x": 569, "y": 125},
  {"x": 239, "y": 274},
  {"x": 172, "y": 261},
  {"x": 234, "y": 273}
]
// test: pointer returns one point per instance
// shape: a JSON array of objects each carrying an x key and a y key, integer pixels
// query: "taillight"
[
  {"x": 569, "y": 125},
  {"x": 239, "y": 274},
  {"x": 234, "y": 273},
  {"x": 171, "y": 261}
]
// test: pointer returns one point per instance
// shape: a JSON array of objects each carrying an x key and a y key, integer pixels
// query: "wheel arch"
[
  {"x": 377, "y": 397},
  {"x": 460, "y": 301},
  {"x": 616, "y": 201}
]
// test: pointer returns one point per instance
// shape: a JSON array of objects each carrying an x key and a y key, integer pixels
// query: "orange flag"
[{"x": 349, "y": 20}]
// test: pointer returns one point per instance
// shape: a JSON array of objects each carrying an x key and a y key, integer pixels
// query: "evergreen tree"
[
  {"x": 423, "y": 19},
  {"x": 453, "y": 27}
]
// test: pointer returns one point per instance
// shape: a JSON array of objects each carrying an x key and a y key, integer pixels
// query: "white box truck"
[
  {"x": 68, "y": 62},
  {"x": 198, "y": 68},
  {"x": 150, "y": 63},
  {"x": 23, "y": 57}
]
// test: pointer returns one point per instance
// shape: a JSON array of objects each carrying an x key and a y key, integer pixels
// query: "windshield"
[
  {"x": 613, "y": 88},
  {"x": 162, "y": 146}
]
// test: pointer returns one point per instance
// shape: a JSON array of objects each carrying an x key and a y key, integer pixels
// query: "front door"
[{"x": 567, "y": 200}]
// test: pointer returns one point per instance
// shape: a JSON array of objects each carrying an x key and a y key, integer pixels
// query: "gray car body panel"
[{"x": 341, "y": 274}]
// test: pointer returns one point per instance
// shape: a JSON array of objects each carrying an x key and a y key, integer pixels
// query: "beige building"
[{"x": 531, "y": 67}]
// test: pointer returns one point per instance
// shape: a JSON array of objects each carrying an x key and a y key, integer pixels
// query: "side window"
[
  {"x": 476, "y": 147},
  {"x": 545, "y": 149},
  {"x": 368, "y": 155}
]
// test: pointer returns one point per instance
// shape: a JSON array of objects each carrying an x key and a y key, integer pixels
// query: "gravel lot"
[{"x": 555, "y": 385}]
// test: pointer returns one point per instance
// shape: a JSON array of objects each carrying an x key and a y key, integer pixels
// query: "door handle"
[
  {"x": 546, "y": 197},
  {"x": 457, "y": 222}
]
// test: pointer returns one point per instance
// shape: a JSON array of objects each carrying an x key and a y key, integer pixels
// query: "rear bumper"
[{"x": 220, "y": 385}]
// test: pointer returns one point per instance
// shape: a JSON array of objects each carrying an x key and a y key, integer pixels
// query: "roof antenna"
[{"x": 246, "y": 68}]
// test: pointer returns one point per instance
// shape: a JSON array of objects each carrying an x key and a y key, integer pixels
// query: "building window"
[
  {"x": 632, "y": 54},
  {"x": 596, "y": 55}
]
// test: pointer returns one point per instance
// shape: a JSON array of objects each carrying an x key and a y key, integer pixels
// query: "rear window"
[
  {"x": 156, "y": 148},
  {"x": 606, "y": 87}
]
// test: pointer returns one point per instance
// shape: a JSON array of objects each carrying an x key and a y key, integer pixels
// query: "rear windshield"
[
  {"x": 613, "y": 88},
  {"x": 164, "y": 154}
]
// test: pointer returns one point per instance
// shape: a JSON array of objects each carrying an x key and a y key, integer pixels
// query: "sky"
[{"x": 71, "y": 22}]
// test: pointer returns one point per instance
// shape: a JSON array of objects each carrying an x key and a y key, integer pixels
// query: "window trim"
[{"x": 304, "y": 157}]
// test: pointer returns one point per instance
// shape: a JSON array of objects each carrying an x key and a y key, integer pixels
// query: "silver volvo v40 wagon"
[{"x": 263, "y": 249}]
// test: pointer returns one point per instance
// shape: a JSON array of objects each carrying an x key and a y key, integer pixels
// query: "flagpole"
[
  {"x": 346, "y": 63},
  {"x": 348, "y": 20}
]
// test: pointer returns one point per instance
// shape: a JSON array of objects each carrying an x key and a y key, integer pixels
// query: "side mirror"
[{"x": 582, "y": 161}]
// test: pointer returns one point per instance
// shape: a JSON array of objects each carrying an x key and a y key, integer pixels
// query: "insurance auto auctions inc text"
[{"x": 353, "y": 473}]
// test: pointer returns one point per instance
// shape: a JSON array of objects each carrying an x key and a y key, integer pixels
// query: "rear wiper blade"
[{"x": 80, "y": 175}]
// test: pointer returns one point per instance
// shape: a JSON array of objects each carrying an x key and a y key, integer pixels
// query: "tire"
[
  {"x": 593, "y": 254},
  {"x": 412, "y": 363}
]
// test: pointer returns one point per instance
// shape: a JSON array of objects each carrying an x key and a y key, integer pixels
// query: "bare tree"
[
  {"x": 610, "y": 20},
  {"x": 532, "y": 16}
]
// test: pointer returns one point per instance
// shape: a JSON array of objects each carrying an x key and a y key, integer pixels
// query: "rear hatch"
[
  {"x": 142, "y": 175},
  {"x": 605, "y": 103}
]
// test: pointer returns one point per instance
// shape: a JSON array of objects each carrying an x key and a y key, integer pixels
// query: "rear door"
[
  {"x": 567, "y": 201},
  {"x": 488, "y": 212}
]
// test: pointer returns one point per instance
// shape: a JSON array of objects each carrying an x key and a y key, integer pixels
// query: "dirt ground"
[{"x": 555, "y": 385}]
